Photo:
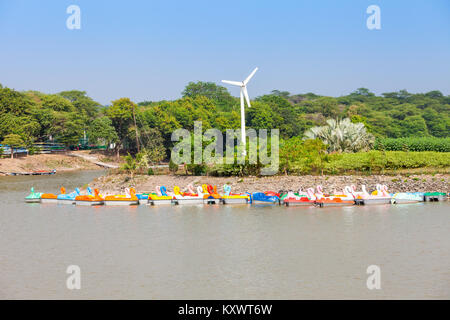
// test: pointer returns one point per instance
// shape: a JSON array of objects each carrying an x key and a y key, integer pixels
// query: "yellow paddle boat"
[
  {"x": 127, "y": 199},
  {"x": 234, "y": 198},
  {"x": 161, "y": 197}
]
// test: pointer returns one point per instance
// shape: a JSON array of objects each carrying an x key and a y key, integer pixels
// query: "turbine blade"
[
  {"x": 246, "y": 96},
  {"x": 250, "y": 76},
  {"x": 234, "y": 83}
]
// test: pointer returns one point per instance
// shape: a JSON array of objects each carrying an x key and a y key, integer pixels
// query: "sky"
[{"x": 150, "y": 50}]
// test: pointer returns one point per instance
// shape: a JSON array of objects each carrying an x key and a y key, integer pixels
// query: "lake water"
[{"x": 217, "y": 252}]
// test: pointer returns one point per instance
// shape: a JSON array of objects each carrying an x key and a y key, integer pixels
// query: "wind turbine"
[{"x": 243, "y": 94}]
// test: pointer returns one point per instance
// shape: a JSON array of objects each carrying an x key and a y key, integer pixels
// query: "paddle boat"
[
  {"x": 68, "y": 198},
  {"x": 234, "y": 198},
  {"x": 143, "y": 198},
  {"x": 434, "y": 196},
  {"x": 127, "y": 199},
  {"x": 299, "y": 198},
  {"x": 268, "y": 197},
  {"x": 210, "y": 195},
  {"x": 406, "y": 197},
  {"x": 33, "y": 197},
  {"x": 91, "y": 199},
  {"x": 188, "y": 197},
  {"x": 50, "y": 197},
  {"x": 380, "y": 196},
  {"x": 160, "y": 197},
  {"x": 345, "y": 199}
]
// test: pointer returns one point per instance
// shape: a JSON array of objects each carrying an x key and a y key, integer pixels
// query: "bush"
[
  {"x": 150, "y": 172},
  {"x": 173, "y": 167},
  {"x": 413, "y": 144},
  {"x": 389, "y": 160}
]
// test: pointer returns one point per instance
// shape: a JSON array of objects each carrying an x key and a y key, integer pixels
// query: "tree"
[
  {"x": 342, "y": 136},
  {"x": 121, "y": 115},
  {"x": 102, "y": 131},
  {"x": 414, "y": 126},
  {"x": 153, "y": 145},
  {"x": 283, "y": 94},
  {"x": 81, "y": 102},
  {"x": 57, "y": 103},
  {"x": 67, "y": 127},
  {"x": 218, "y": 94},
  {"x": 14, "y": 141}
]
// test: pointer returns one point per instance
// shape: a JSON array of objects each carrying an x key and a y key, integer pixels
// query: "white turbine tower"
[{"x": 244, "y": 93}]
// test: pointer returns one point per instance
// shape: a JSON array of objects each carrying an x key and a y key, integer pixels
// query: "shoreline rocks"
[{"x": 116, "y": 183}]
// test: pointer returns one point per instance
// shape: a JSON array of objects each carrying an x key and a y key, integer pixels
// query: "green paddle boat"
[
  {"x": 33, "y": 197},
  {"x": 435, "y": 196}
]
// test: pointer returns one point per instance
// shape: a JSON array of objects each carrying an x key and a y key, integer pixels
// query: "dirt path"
[{"x": 92, "y": 158}]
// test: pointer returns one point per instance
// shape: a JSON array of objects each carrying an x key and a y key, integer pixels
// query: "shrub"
[
  {"x": 413, "y": 144},
  {"x": 342, "y": 136},
  {"x": 173, "y": 167},
  {"x": 389, "y": 160}
]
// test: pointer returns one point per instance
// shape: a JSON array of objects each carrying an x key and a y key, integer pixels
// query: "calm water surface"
[{"x": 217, "y": 252}]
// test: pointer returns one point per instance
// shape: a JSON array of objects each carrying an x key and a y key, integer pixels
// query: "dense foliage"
[
  {"x": 379, "y": 161},
  {"x": 413, "y": 144},
  {"x": 147, "y": 126}
]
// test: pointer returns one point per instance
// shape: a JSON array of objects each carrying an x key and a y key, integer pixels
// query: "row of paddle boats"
[{"x": 207, "y": 194}]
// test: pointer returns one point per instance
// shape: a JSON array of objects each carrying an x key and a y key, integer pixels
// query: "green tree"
[
  {"x": 81, "y": 102},
  {"x": 218, "y": 94},
  {"x": 121, "y": 115},
  {"x": 14, "y": 141},
  {"x": 101, "y": 131}
]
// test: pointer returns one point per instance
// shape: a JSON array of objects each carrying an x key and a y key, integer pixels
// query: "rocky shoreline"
[{"x": 116, "y": 183}]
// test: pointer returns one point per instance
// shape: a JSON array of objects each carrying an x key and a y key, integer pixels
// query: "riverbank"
[
  {"x": 116, "y": 183},
  {"x": 70, "y": 161},
  {"x": 59, "y": 162}
]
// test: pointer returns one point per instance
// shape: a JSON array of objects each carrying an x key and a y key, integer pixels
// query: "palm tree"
[{"x": 342, "y": 136}]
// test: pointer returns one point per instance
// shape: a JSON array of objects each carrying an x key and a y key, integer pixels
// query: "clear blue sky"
[{"x": 149, "y": 50}]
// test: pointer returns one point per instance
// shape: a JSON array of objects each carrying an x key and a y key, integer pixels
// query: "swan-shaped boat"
[
  {"x": 188, "y": 197},
  {"x": 90, "y": 199},
  {"x": 33, "y": 197},
  {"x": 380, "y": 196},
  {"x": 160, "y": 197},
  {"x": 268, "y": 197},
  {"x": 127, "y": 199},
  {"x": 210, "y": 195},
  {"x": 345, "y": 199},
  {"x": 68, "y": 198},
  {"x": 50, "y": 197},
  {"x": 234, "y": 198},
  {"x": 299, "y": 198}
]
